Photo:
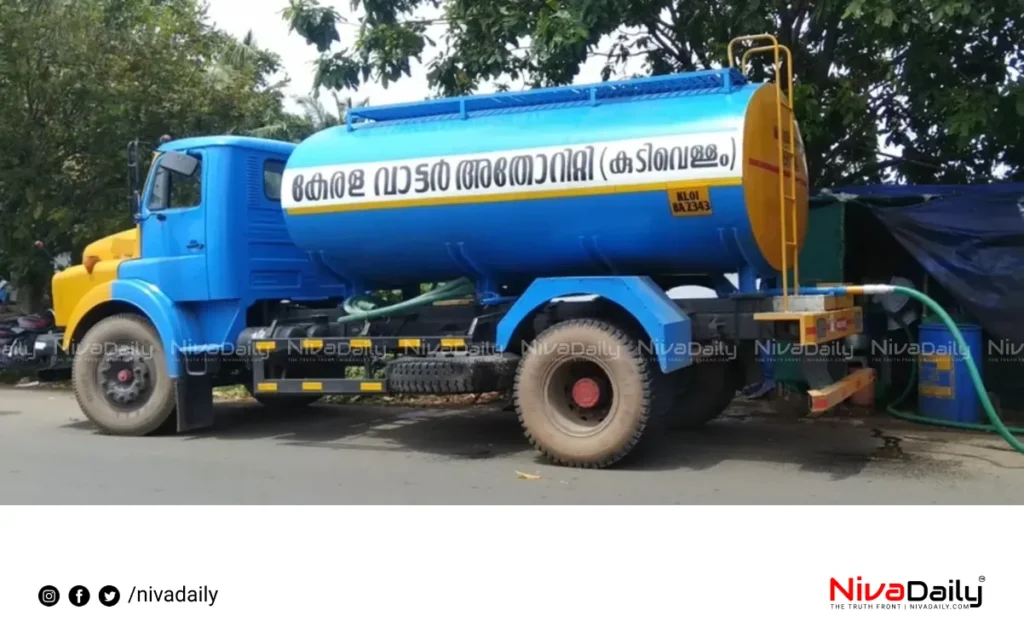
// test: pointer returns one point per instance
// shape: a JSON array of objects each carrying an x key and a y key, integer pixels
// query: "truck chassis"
[{"x": 587, "y": 381}]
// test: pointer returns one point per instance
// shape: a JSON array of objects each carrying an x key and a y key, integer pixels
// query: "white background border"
[{"x": 519, "y": 569}]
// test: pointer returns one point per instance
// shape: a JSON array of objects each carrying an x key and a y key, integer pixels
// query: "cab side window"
[
  {"x": 172, "y": 190},
  {"x": 273, "y": 170}
]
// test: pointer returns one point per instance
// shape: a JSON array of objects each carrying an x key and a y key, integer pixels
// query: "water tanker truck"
[{"x": 551, "y": 223}]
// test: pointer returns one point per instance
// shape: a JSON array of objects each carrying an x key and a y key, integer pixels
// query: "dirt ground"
[{"x": 366, "y": 453}]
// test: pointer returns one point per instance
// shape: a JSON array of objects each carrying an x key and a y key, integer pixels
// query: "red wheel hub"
[
  {"x": 124, "y": 376},
  {"x": 586, "y": 393}
]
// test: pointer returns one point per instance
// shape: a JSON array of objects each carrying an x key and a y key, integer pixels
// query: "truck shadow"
[
  {"x": 840, "y": 450},
  {"x": 467, "y": 433}
]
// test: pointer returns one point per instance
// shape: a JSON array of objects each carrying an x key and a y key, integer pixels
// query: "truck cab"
[{"x": 208, "y": 250}]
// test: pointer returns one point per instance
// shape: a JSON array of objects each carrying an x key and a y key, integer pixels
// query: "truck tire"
[
  {"x": 586, "y": 395},
  {"x": 451, "y": 375},
  {"x": 120, "y": 377},
  {"x": 700, "y": 393}
]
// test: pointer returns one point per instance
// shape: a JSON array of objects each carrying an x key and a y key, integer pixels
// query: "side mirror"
[
  {"x": 136, "y": 205},
  {"x": 134, "y": 196},
  {"x": 179, "y": 163}
]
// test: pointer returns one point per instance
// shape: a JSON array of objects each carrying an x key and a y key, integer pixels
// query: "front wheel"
[
  {"x": 585, "y": 393},
  {"x": 120, "y": 377}
]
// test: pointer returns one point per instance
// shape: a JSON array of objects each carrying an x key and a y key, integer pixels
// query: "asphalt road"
[{"x": 374, "y": 454}]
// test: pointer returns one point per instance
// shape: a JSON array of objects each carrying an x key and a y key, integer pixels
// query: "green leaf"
[
  {"x": 933, "y": 76},
  {"x": 78, "y": 80}
]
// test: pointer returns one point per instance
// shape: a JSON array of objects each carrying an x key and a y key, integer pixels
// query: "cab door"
[{"x": 173, "y": 227}]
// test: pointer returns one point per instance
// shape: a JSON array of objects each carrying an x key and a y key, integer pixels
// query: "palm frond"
[{"x": 273, "y": 130}]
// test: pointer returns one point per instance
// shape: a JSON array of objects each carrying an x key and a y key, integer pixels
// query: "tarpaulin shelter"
[
  {"x": 969, "y": 239},
  {"x": 962, "y": 244}
]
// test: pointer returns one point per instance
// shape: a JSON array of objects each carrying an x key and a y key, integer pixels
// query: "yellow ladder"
[{"x": 786, "y": 138}]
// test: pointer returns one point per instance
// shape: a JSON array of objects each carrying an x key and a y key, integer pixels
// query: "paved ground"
[{"x": 364, "y": 454}]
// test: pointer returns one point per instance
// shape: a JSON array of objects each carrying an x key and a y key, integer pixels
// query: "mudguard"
[
  {"x": 664, "y": 322},
  {"x": 175, "y": 327}
]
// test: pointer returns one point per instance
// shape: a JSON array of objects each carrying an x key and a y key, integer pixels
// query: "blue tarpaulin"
[{"x": 969, "y": 238}]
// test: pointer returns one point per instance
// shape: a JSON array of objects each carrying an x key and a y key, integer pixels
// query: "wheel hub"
[
  {"x": 586, "y": 393},
  {"x": 124, "y": 376},
  {"x": 580, "y": 396}
]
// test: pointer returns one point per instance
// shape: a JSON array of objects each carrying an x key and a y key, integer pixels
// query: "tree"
[
  {"x": 81, "y": 78},
  {"x": 314, "y": 118},
  {"x": 939, "y": 79},
  {"x": 320, "y": 117}
]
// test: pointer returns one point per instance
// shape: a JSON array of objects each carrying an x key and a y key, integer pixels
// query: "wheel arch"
[
  {"x": 633, "y": 301},
  {"x": 172, "y": 325},
  {"x": 97, "y": 313}
]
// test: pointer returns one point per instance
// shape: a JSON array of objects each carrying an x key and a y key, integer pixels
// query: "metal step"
[
  {"x": 817, "y": 327},
  {"x": 827, "y": 398},
  {"x": 324, "y": 386},
  {"x": 813, "y": 303}
]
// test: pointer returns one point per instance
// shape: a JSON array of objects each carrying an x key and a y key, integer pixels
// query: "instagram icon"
[{"x": 49, "y": 596}]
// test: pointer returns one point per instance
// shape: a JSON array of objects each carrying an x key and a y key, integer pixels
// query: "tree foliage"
[
  {"x": 315, "y": 117},
  {"x": 938, "y": 79},
  {"x": 81, "y": 78}
]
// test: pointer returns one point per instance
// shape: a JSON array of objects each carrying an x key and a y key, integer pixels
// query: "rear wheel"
[
  {"x": 120, "y": 377},
  {"x": 700, "y": 393},
  {"x": 585, "y": 394}
]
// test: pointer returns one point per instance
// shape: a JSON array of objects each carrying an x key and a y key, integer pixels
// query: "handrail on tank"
[
  {"x": 766, "y": 49},
  {"x": 725, "y": 80},
  {"x": 748, "y": 38},
  {"x": 784, "y": 99}
]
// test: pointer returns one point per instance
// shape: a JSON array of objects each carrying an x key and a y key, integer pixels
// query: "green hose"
[
  {"x": 360, "y": 308},
  {"x": 997, "y": 425}
]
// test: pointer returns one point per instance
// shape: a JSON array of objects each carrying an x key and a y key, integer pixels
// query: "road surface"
[{"x": 376, "y": 454}]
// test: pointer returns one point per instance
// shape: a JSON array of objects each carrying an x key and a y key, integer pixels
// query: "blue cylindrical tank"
[
  {"x": 666, "y": 175},
  {"x": 945, "y": 390}
]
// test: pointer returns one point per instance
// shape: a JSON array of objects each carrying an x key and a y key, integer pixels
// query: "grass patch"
[{"x": 234, "y": 392}]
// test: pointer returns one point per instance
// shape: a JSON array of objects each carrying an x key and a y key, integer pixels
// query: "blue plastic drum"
[{"x": 945, "y": 390}]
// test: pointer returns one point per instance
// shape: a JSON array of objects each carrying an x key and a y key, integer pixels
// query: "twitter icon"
[{"x": 109, "y": 596}]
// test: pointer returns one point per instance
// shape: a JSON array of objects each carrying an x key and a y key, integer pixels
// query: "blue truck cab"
[
  {"x": 209, "y": 244},
  {"x": 299, "y": 270}
]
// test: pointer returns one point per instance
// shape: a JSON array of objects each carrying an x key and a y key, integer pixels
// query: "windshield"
[{"x": 172, "y": 190}]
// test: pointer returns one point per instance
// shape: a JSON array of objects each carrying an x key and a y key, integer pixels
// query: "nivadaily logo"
[{"x": 912, "y": 594}]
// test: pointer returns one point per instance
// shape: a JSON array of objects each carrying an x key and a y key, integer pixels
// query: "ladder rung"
[{"x": 789, "y": 199}]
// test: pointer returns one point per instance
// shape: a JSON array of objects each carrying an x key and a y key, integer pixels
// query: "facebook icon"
[{"x": 79, "y": 596}]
